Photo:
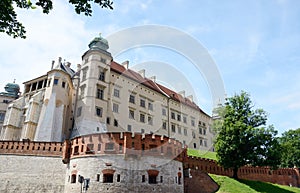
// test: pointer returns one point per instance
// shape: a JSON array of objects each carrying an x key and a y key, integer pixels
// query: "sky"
[{"x": 254, "y": 44}]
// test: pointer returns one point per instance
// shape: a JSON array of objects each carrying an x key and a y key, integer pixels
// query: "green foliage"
[
  {"x": 229, "y": 185},
  {"x": 202, "y": 154},
  {"x": 290, "y": 142},
  {"x": 11, "y": 26},
  {"x": 240, "y": 138}
]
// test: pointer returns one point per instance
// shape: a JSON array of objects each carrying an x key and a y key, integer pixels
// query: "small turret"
[{"x": 99, "y": 43}]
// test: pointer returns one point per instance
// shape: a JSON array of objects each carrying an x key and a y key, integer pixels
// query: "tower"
[{"x": 92, "y": 96}]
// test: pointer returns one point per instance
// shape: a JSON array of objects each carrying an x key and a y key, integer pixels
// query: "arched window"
[
  {"x": 73, "y": 178},
  {"x": 152, "y": 176}
]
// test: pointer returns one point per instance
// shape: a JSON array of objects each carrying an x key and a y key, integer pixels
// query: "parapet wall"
[
  {"x": 31, "y": 148},
  {"x": 283, "y": 176},
  {"x": 129, "y": 144}
]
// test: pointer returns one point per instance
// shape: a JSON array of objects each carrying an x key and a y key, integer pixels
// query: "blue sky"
[{"x": 255, "y": 45}]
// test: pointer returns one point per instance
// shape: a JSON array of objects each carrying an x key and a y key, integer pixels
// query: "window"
[
  {"x": 108, "y": 120},
  {"x": 142, "y": 118},
  {"x": 103, "y": 60},
  {"x": 100, "y": 93},
  {"x": 63, "y": 84},
  {"x": 129, "y": 128},
  {"x": 150, "y": 120},
  {"x": 117, "y": 93},
  {"x": 185, "y": 131},
  {"x": 172, "y": 115},
  {"x": 200, "y": 130},
  {"x": 82, "y": 91},
  {"x": 108, "y": 178},
  {"x": 193, "y": 122},
  {"x": 76, "y": 150},
  {"x": 195, "y": 146},
  {"x": 73, "y": 178},
  {"x": 161, "y": 179},
  {"x": 193, "y": 134},
  {"x": 201, "y": 142},
  {"x": 179, "y": 129},
  {"x": 115, "y": 108},
  {"x": 204, "y": 131},
  {"x": 152, "y": 179},
  {"x": 164, "y": 112},
  {"x": 205, "y": 143},
  {"x": 99, "y": 111},
  {"x": 98, "y": 178},
  {"x": 79, "y": 111},
  {"x": 173, "y": 128},
  {"x": 131, "y": 114},
  {"x": 116, "y": 123},
  {"x": 184, "y": 119},
  {"x": 178, "y": 117},
  {"x": 142, "y": 103},
  {"x": 143, "y": 178},
  {"x": 102, "y": 76},
  {"x": 150, "y": 106},
  {"x": 55, "y": 81},
  {"x": 2, "y": 115},
  {"x": 109, "y": 146},
  {"x": 120, "y": 147},
  {"x": 84, "y": 72},
  {"x": 164, "y": 125},
  {"x": 99, "y": 147},
  {"x": 132, "y": 99},
  {"x": 118, "y": 178}
]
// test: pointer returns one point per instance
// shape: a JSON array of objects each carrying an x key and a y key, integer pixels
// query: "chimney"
[
  {"x": 142, "y": 73},
  {"x": 190, "y": 97},
  {"x": 153, "y": 78},
  {"x": 52, "y": 65},
  {"x": 125, "y": 64},
  {"x": 59, "y": 60},
  {"x": 182, "y": 93}
]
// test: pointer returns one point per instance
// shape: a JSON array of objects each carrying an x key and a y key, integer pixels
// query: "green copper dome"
[
  {"x": 99, "y": 43},
  {"x": 12, "y": 89}
]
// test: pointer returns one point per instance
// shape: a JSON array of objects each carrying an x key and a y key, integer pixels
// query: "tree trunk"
[{"x": 235, "y": 173}]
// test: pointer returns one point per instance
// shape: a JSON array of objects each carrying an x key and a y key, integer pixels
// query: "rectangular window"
[
  {"x": 131, "y": 114},
  {"x": 200, "y": 130},
  {"x": 118, "y": 178},
  {"x": 100, "y": 93},
  {"x": 117, "y": 93},
  {"x": 129, "y": 128},
  {"x": 193, "y": 122},
  {"x": 98, "y": 178},
  {"x": 108, "y": 120},
  {"x": 164, "y": 125},
  {"x": 143, "y": 178},
  {"x": 90, "y": 148},
  {"x": 103, "y": 60},
  {"x": 2, "y": 115},
  {"x": 115, "y": 108},
  {"x": 172, "y": 115},
  {"x": 108, "y": 178},
  {"x": 142, "y": 118},
  {"x": 150, "y": 106},
  {"x": 63, "y": 84},
  {"x": 173, "y": 127},
  {"x": 82, "y": 91},
  {"x": 102, "y": 76},
  {"x": 99, "y": 147},
  {"x": 150, "y": 120},
  {"x": 142, "y": 103},
  {"x": 161, "y": 179},
  {"x": 193, "y": 134},
  {"x": 178, "y": 117},
  {"x": 84, "y": 72},
  {"x": 164, "y": 112},
  {"x": 79, "y": 111},
  {"x": 185, "y": 131},
  {"x": 205, "y": 143},
  {"x": 184, "y": 119},
  {"x": 179, "y": 129},
  {"x": 116, "y": 123},
  {"x": 120, "y": 147},
  {"x": 201, "y": 142},
  {"x": 99, "y": 111},
  {"x": 55, "y": 81},
  {"x": 132, "y": 99},
  {"x": 204, "y": 131}
]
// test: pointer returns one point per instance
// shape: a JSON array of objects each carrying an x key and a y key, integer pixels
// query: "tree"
[
  {"x": 240, "y": 138},
  {"x": 290, "y": 142},
  {"x": 8, "y": 17}
]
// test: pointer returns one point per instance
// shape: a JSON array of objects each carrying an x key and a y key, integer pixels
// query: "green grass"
[
  {"x": 201, "y": 153},
  {"x": 229, "y": 185}
]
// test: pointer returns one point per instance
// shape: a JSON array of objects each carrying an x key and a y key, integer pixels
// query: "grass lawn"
[
  {"x": 201, "y": 153},
  {"x": 229, "y": 185}
]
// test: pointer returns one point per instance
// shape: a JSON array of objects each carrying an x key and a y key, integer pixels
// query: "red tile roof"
[{"x": 154, "y": 86}]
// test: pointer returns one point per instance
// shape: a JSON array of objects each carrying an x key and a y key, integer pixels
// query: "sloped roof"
[{"x": 116, "y": 67}]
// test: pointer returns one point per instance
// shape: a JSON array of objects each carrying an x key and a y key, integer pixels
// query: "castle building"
[
  {"x": 11, "y": 93},
  {"x": 103, "y": 96}
]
